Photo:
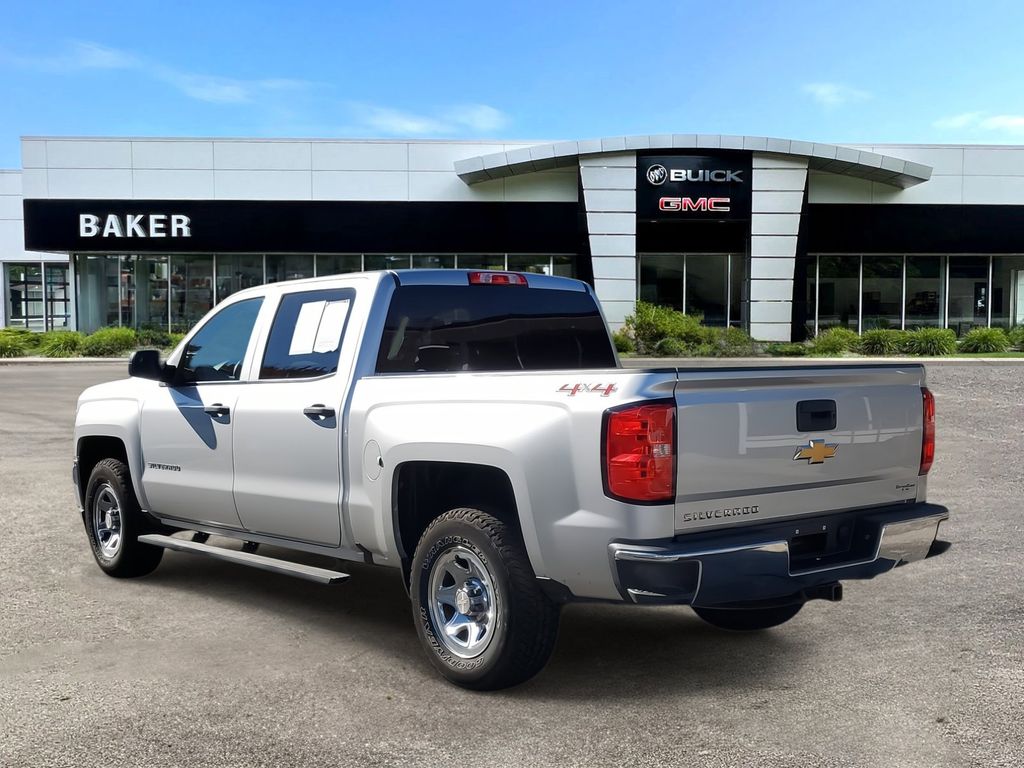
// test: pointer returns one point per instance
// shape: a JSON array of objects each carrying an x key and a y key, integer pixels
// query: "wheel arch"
[
  {"x": 92, "y": 447},
  {"x": 424, "y": 489}
]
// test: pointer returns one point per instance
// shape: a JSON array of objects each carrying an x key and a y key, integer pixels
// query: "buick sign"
[
  {"x": 657, "y": 174},
  {"x": 694, "y": 187}
]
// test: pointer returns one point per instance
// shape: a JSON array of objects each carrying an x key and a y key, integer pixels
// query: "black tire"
[
  {"x": 110, "y": 478},
  {"x": 524, "y": 625},
  {"x": 748, "y": 619}
]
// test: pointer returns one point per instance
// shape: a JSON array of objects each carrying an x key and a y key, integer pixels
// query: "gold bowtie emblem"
[{"x": 816, "y": 451}]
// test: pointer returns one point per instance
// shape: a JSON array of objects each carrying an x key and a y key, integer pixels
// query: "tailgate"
[{"x": 745, "y": 455}]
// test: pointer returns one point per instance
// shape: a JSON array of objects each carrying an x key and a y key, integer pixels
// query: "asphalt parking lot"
[{"x": 206, "y": 663}]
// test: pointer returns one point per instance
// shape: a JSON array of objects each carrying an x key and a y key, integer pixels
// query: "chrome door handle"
[
  {"x": 217, "y": 409},
  {"x": 318, "y": 412}
]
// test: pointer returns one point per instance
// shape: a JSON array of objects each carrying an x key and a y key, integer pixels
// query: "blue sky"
[{"x": 866, "y": 71}]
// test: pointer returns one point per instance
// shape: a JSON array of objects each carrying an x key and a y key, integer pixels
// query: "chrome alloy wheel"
[
  {"x": 106, "y": 520},
  {"x": 463, "y": 602}
]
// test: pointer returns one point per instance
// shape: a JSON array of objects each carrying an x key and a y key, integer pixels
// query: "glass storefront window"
[
  {"x": 144, "y": 291},
  {"x": 882, "y": 296},
  {"x": 482, "y": 261},
  {"x": 161, "y": 291},
  {"x": 377, "y": 261},
  {"x": 25, "y": 296},
  {"x": 706, "y": 286},
  {"x": 661, "y": 279},
  {"x": 191, "y": 290},
  {"x": 1007, "y": 291},
  {"x": 289, "y": 266},
  {"x": 58, "y": 297},
  {"x": 563, "y": 266},
  {"x": 838, "y": 292},
  {"x": 968, "y": 293},
  {"x": 806, "y": 272},
  {"x": 236, "y": 272},
  {"x": 338, "y": 264},
  {"x": 433, "y": 261},
  {"x": 99, "y": 292},
  {"x": 926, "y": 281},
  {"x": 540, "y": 265}
]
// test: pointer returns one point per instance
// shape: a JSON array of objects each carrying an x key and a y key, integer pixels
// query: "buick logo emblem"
[{"x": 657, "y": 175}]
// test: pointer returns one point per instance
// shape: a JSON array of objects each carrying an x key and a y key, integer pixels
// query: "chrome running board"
[{"x": 272, "y": 564}]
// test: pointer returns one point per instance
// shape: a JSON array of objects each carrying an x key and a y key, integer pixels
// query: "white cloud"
[
  {"x": 982, "y": 122},
  {"x": 215, "y": 89},
  {"x": 95, "y": 56},
  {"x": 834, "y": 94},
  {"x": 963, "y": 120},
  {"x": 1007, "y": 123},
  {"x": 478, "y": 117},
  {"x": 451, "y": 121}
]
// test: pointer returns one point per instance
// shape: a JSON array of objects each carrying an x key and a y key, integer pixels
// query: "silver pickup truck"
[{"x": 475, "y": 431}]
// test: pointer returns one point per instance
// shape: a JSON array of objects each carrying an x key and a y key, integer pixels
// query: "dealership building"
[{"x": 780, "y": 237}]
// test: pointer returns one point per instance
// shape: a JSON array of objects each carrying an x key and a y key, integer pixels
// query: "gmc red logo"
[{"x": 715, "y": 204}]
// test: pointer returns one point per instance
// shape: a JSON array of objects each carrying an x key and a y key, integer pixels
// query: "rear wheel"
[
  {"x": 113, "y": 521},
  {"x": 748, "y": 619},
  {"x": 479, "y": 612}
]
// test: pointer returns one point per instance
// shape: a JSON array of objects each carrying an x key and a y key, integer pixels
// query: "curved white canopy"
[{"x": 825, "y": 157}]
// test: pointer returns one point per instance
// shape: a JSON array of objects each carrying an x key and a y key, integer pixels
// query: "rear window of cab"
[{"x": 492, "y": 328}]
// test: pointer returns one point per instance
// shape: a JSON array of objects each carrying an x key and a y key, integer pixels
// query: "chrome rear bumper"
[{"x": 755, "y": 564}]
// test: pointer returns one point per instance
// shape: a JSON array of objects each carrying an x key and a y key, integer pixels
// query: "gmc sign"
[
  {"x": 719, "y": 204},
  {"x": 694, "y": 187}
]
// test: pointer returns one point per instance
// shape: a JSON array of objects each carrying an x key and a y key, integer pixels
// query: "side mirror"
[{"x": 145, "y": 364}]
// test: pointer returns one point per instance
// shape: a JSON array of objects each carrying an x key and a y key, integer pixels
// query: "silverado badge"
[{"x": 816, "y": 451}]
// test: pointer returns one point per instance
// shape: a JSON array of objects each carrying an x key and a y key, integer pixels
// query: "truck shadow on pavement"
[{"x": 603, "y": 651}]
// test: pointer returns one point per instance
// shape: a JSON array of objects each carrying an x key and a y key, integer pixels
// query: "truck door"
[
  {"x": 187, "y": 425},
  {"x": 288, "y": 430}
]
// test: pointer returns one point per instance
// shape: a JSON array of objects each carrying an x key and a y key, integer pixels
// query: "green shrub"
[
  {"x": 61, "y": 343},
  {"x": 12, "y": 345},
  {"x": 883, "y": 342},
  {"x": 671, "y": 348},
  {"x": 731, "y": 342},
  {"x": 787, "y": 350},
  {"x": 835, "y": 341},
  {"x": 153, "y": 338},
  {"x": 1016, "y": 337},
  {"x": 623, "y": 343},
  {"x": 985, "y": 340},
  {"x": 705, "y": 350},
  {"x": 109, "y": 342},
  {"x": 26, "y": 339},
  {"x": 650, "y": 325},
  {"x": 931, "y": 342}
]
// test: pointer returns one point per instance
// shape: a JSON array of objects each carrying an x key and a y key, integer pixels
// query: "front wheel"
[
  {"x": 113, "y": 521},
  {"x": 748, "y": 619},
  {"x": 479, "y": 612}
]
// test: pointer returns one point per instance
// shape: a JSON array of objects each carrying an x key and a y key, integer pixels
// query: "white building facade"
[{"x": 780, "y": 237}]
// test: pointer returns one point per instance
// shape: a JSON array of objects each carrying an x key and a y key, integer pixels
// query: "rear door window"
[
  {"x": 305, "y": 339},
  {"x": 492, "y": 328}
]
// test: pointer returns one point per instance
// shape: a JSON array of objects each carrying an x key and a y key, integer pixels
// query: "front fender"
[{"x": 117, "y": 418}]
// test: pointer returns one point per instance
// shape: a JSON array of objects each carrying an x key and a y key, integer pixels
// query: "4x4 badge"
[{"x": 816, "y": 451}]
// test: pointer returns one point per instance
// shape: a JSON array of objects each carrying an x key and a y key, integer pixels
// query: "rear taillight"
[
  {"x": 927, "y": 432},
  {"x": 640, "y": 453},
  {"x": 497, "y": 278}
]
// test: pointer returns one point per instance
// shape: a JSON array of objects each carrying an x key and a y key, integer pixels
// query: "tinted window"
[
  {"x": 492, "y": 328},
  {"x": 217, "y": 350},
  {"x": 306, "y": 336}
]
